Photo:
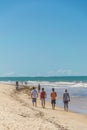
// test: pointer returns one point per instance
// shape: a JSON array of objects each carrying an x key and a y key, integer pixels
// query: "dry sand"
[{"x": 17, "y": 113}]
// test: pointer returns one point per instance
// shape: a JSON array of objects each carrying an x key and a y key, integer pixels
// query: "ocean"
[{"x": 76, "y": 86}]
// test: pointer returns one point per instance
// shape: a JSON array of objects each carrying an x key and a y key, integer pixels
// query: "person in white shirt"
[{"x": 34, "y": 95}]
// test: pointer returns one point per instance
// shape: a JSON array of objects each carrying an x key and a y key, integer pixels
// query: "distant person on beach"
[
  {"x": 34, "y": 96},
  {"x": 53, "y": 98},
  {"x": 39, "y": 87},
  {"x": 22, "y": 83},
  {"x": 66, "y": 100},
  {"x": 42, "y": 97},
  {"x": 17, "y": 85},
  {"x": 25, "y": 82}
]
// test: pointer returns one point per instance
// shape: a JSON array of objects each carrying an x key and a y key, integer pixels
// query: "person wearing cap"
[{"x": 66, "y": 100}]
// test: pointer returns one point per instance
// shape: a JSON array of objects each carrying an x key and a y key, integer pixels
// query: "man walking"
[
  {"x": 34, "y": 96},
  {"x": 42, "y": 97},
  {"x": 53, "y": 98},
  {"x": 17, "y": 85},
  {"x": 66, "y": 100}
]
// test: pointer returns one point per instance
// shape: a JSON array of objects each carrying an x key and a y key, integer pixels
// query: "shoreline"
[
  {"x": 71, "y": 108},
  {"x": 18, "y": 113},
  {"x": 71, "y": 111},
  {"x": 77, "y": 103}
]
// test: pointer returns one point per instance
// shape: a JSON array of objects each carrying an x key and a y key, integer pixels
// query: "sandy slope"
[{"x": 17, "y": 113}]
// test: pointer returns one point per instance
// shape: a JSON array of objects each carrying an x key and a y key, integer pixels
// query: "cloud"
[
  {"x": 15, "y": 74},
  {"x": 12, "y": 74},
  {"x": 62, "y": 72},
  {"x": 8, "y": 74}
]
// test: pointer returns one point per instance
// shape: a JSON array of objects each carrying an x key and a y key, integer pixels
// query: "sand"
[{"x": 17, "y": 113}]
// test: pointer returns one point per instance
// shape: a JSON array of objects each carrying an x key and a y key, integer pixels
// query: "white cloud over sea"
[
  {"x": 58, "y": 72},
  {"x": 62, "y": 72},
  {"x": 8, "y": 74}
]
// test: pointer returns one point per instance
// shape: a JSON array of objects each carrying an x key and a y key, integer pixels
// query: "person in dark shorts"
[
  {"x": 53, "y": 98},
  {"x": 39, "y": 87},
  {"x": 66, "y": 100},
  {"x": 17, "y": 85}
]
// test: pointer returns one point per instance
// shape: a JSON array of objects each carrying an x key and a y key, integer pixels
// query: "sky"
[{"x": 43, "y": 37}]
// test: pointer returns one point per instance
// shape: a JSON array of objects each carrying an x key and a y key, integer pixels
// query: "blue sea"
[{"x": 76, "y": 86}]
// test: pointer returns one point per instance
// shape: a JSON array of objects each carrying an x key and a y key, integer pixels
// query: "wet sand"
[{"x": 17, "y": 113}]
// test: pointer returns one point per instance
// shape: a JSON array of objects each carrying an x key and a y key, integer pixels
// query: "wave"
[
  {"x": 58, "y": 84},
  {"x": 50, "y": 84}
]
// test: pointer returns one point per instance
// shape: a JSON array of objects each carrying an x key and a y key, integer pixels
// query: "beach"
[{"x": 17, "y": 113}]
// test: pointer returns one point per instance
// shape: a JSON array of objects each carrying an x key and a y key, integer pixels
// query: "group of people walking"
[
  {"x": 53, "y": 96},
  {"x": 43, "y": 95}
]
